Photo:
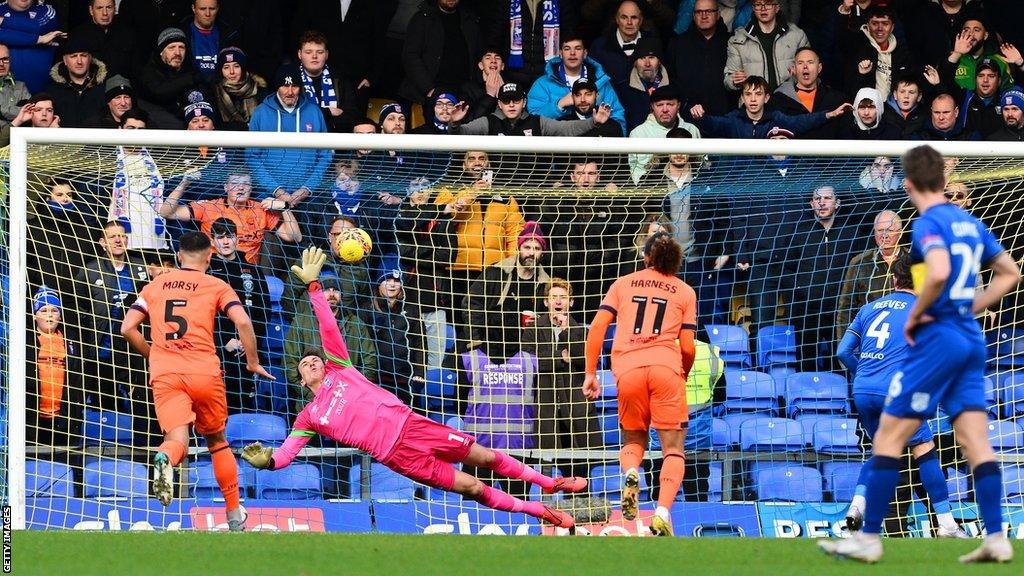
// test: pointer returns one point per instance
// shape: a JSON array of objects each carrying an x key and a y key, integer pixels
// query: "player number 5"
[{"x": 170, "y": 316}]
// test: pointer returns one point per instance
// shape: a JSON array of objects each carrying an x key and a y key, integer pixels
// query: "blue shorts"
[
  {"x": 946, "y": 366},
  {"x": 869, "y": 410}
]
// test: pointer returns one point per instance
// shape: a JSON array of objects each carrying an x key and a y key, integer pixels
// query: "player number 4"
[
  {"x": 970, "y": 264},
  {"x": 879, "y": 330}
]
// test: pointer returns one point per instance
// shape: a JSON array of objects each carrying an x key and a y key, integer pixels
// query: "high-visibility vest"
[
  {"x": 500, "y": 408},
  {"x": 707, "y": 369}
]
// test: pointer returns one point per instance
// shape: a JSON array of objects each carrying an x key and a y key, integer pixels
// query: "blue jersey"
[
  {"x": 879, "y": 328},
  {"x": 969, "y": 244}
]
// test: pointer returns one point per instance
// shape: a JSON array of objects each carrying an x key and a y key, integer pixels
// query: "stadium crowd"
[{"x": 482, "y": 264}]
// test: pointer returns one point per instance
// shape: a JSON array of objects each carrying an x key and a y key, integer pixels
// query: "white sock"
[
  {"x": 858, "y": 503},
  {"x": 662, "y": 512},
  {"x": 946, "y": 521}
]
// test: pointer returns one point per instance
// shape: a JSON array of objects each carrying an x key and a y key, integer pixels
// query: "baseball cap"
[
  {"x": 510, "y": 92},
  {"x": 988, "y": 64},
  {"x": 584, "y": 84}
]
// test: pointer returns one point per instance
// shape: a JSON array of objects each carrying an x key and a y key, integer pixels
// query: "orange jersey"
[
  {"x": 182, "y": 306},
  {"x": 650, "y": 309},
  {"x": 252, "y": 222}
]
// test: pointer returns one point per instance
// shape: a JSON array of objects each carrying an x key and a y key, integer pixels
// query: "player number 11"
[{"x": 641, "y": 310}]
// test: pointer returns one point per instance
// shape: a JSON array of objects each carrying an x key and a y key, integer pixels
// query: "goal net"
[{"x": 489, "y": 259}]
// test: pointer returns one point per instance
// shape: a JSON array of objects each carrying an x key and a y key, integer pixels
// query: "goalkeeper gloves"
[
  {"x": 308, "y": 270},
  {"x": 259, "y": 456}
]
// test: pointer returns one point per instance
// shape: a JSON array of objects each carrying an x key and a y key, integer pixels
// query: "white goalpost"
[{"x": 732, "y": 493}]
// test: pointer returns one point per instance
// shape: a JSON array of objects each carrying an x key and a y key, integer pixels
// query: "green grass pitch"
[{"x": 251, "y": 554}]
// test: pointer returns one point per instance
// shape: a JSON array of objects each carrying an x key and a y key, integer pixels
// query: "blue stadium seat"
[
  {"x": 956, "y": 483},
  {"x": 1011, "y": 394},
  {"x": 1006, "y": 347},
  {"x": 385, "y": 483},
  {"x": 107, "y": 428},
  {"x": 733, "y": 344},
  {"x": 715, "y": 482},
  {"x": 940, "y": 424},
  {"x": 296, "y": 482},
  {"x": 243, "y": 428},
  {"x": 836, "y": 436},
  {"x": 606, "y": 482},
  {"x": 772, "y": 435},
  {"x": 609, "y": 399},
  {"x": 274, "y": 396},
  {"x": 456, "y": 423},
  {"x": 820, "y": 392},
  {"x": 776, "y": 345},
  {"x": 991, "y": 396},
  {"x": 841, "y": 479},
  {"x": 440, "y": 389},
  {"x": 808, "y": 420},
  {"x": 735, "y": 421},
  {"x": 720, "y": 438},
  {"x": 1006, "y": 436},
  {"x": 610, "y": 429},
  {"x": 449, "y": 337},
  {"x": 1013, "y": 484},
  {"x": 105, "y": 478},
  {"x": 274, "y": 338},
  {"x": 791, "y": 483},
  {"x": 45, "y": 479},
  {"x": 203, "y": 483},
  {"x": 781, "y": 373},
  {"x": 750, "y": 391}
]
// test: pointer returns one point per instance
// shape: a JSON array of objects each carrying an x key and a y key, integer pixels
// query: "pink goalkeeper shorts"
[{"x": 426, "y": 451}]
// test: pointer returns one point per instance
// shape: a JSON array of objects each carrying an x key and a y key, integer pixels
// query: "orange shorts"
[
  {"x": 652, "y": 397},
  {"x": 183, "y": 399}
]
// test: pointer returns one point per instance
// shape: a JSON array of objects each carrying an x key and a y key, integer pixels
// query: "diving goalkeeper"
[{"x": 353, "y": 411}]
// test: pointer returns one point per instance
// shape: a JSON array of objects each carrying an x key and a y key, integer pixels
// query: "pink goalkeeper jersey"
[{"x": 346, "y": 407}]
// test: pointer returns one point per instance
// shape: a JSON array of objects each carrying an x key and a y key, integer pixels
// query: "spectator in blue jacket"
[
  {"x": 752, "y": 120},
  {"x": 30, "y": 31},
  {"x": 291, "y": 175},
  {"x": 551, "y": 95}
]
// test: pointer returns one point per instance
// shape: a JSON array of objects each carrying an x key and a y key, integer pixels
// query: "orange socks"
[
  {"x": 225, "y": 469},
  {"x": 175, "y": 451},
  {"x": 671, "y": 477},
  {"x": 631, "y": 456}
]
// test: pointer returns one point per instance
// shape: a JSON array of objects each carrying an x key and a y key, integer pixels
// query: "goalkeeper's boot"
[
  {"x": 558, "y": 518},
  {"x": 994, "y": 549},
  {"x": 854, "y": 520},
  {"x": 660, "y": 526},
  {"x": 859, "y": 546},
  {"x": 163, "y": 478},
  {"x": 568, "y": 484},
  {"x": 951, "y": 532},
  {"x": 237, "y": 518},
  {"x": 630, "y": 494}
]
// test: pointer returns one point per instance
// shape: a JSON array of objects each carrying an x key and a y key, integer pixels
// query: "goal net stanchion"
[{"x": 465, "y": 348}]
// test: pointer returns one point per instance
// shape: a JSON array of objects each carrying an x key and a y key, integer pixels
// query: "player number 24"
[{"x": 970, "y": 263}]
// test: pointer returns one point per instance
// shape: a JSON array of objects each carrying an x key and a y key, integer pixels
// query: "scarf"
[
  {"x": 327, "y": 97},
  {"x": 237, "y": 101},
  {"x": 565, "y": 77},
  {"x": 146, "y": 184},
  {"x": 551, "y": 21}
]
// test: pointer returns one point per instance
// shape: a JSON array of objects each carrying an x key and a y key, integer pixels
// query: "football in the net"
[{"x": 352, "y": 245}]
